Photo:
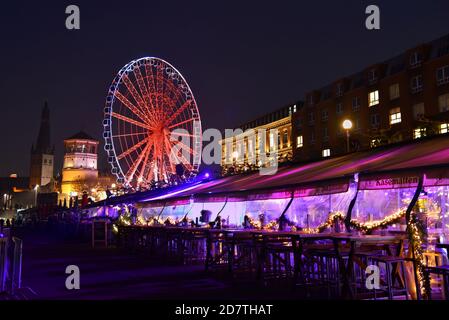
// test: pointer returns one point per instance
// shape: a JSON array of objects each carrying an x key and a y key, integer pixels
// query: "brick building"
[{"x": 403, "y": 98}]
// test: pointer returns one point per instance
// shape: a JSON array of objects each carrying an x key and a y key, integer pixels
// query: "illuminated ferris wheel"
[{"x": 150, "y": 112}]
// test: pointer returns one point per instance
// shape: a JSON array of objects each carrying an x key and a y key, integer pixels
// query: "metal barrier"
[{"x": 10, "y": 264}]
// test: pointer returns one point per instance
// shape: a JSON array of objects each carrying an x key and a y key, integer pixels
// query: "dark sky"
[{"x": 241, "y": 59}]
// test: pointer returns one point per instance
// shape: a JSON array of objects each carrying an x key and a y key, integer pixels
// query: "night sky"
[{"x": 241, "y": 59}]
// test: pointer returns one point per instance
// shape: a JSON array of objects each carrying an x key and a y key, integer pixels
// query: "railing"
[{"x": 10, "y": 264}]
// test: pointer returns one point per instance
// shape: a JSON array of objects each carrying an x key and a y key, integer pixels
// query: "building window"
[
  {"x": 324, "y": 115},
  {"x": 339, "y": 108},
  {"x": 339, "y": 90},
  {"x": 272, "y": 141},
  {"x": 374, "y": 120},
  {"x": 311, "y": 100},
  {"x": 394, "y": 91},
  {"x": 373, "y": 98},
  {"x": 443, "y": 102},
  {"x": 312, "y": 138},
  {"x": 311, "y": 117},
  {"x": 326, "y": 153},
  {"x": 357, "y": 124},
  {"x": 325, "y": 134},
  {"x": 443, "y": 75},
  {"x": 299, "y": 123},
  {"x": 444, "y": 128},
  {"x": 418, "y": 111},
  {"x": 416, "y": 84},
  {"x": 355, "y": 103},
  {"x": 299, "y": 142},
  {"x": 285, "y": 139},
  {"x": 419, "y": 133},
  {"x": 395, "y": 115},
  {"x": 415, "y": 59},
  {"x": 372, "y": 76}
]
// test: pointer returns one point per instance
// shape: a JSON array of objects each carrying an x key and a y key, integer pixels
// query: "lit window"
[
  {"x": 294, "y": 108},
  {"x": 373, "y": 98},
  {"x": 272, "y": 146},
  {"x": 444, "y": 128},
  {"x": 443, "y": 102},
  {"x": 395, "y": 116},
  {"x": 339, "y": 108},
  {"x": 326, "y": 153},
  {"x": 299, "y": 142},
  {"x": 394, "y": 91},
  {"x": 416, "y": 84},
  {"x": 443, "y": 75},
  {"x": 419, "y": 133},
  {"x": 418, "y": 111},
  {"x": 285, "y": 138},
  {"x": 355, "y": 103}
]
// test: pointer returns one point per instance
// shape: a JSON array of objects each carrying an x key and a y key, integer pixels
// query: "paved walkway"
[{"x": 110, "y": 273}]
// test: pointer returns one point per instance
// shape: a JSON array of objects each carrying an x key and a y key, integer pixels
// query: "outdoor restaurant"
[{"x": 366, "y": 225}]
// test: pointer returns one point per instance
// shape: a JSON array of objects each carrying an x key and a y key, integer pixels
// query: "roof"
[
  {"x": 394, "y": 166},
  {"x": 81, "y": 136}
]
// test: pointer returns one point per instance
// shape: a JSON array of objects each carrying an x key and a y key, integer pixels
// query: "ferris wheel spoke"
[
  {"x": 150, "y": 79},
  {"x": 129, "y": 135},
  {"x": 143, "y": 89},
  {"x": 133, "y": 91},
  {"x": 131, "y": 106},
  {"x": 132, "y": 149},
  {"x": 178, "y": 112},
  {"x": 169, "y": 149},
  {"x": 181, "y": 123},
  {"x": 132, "y": 170},
  {"x": 129, "y": 120},
  {"x": 145, "y": 161},
  {"x": 182, "y": 146}
]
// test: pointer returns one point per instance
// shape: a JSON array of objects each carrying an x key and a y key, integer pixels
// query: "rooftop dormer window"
[{"x": 415, "y": 59}]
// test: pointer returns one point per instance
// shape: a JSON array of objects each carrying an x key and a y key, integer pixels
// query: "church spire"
[{"x": 43, "y": 139}]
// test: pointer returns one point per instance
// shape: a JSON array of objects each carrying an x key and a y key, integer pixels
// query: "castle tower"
[
  {"x": 42, "y": 154},
  {"x": 79, "y": 172}
]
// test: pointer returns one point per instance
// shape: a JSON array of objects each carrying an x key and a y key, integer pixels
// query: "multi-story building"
[
  {"x": 79, "y": 172},
  {"x": 242, "y": 152},
  {"x": 403, "y": 98}
]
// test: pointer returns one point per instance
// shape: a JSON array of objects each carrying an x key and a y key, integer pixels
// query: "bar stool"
[
  {"x": 390, "y": 263},
  {"x": 441, "y": 271}
]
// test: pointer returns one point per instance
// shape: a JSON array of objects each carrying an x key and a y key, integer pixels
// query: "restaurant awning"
[{"x": 388, "y": 167}]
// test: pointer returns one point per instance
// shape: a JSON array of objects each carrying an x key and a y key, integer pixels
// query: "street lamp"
[
  {"x": 35, "y": 194},
  {"x": 347, "y": 125}
]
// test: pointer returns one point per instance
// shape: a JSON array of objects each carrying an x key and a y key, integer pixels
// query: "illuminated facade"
[
  {"x": 79, "y": 173},
  {"x": 242, "y": 153},
  {"x": 42, "y": 154},
  {"x": 400, "y": 99}
]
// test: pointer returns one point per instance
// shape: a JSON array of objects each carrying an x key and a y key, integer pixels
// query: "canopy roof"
[
  {"x": 388, "y": 167},
  {"x": 394, "y": 166}
]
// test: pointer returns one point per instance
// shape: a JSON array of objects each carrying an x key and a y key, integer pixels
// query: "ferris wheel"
[{"x": 148, "y": 104}]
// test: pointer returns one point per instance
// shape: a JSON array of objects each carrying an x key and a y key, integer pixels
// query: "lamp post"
[
  {"x": 35, "y": 194},
  {"x": 347, "y": 125}
]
